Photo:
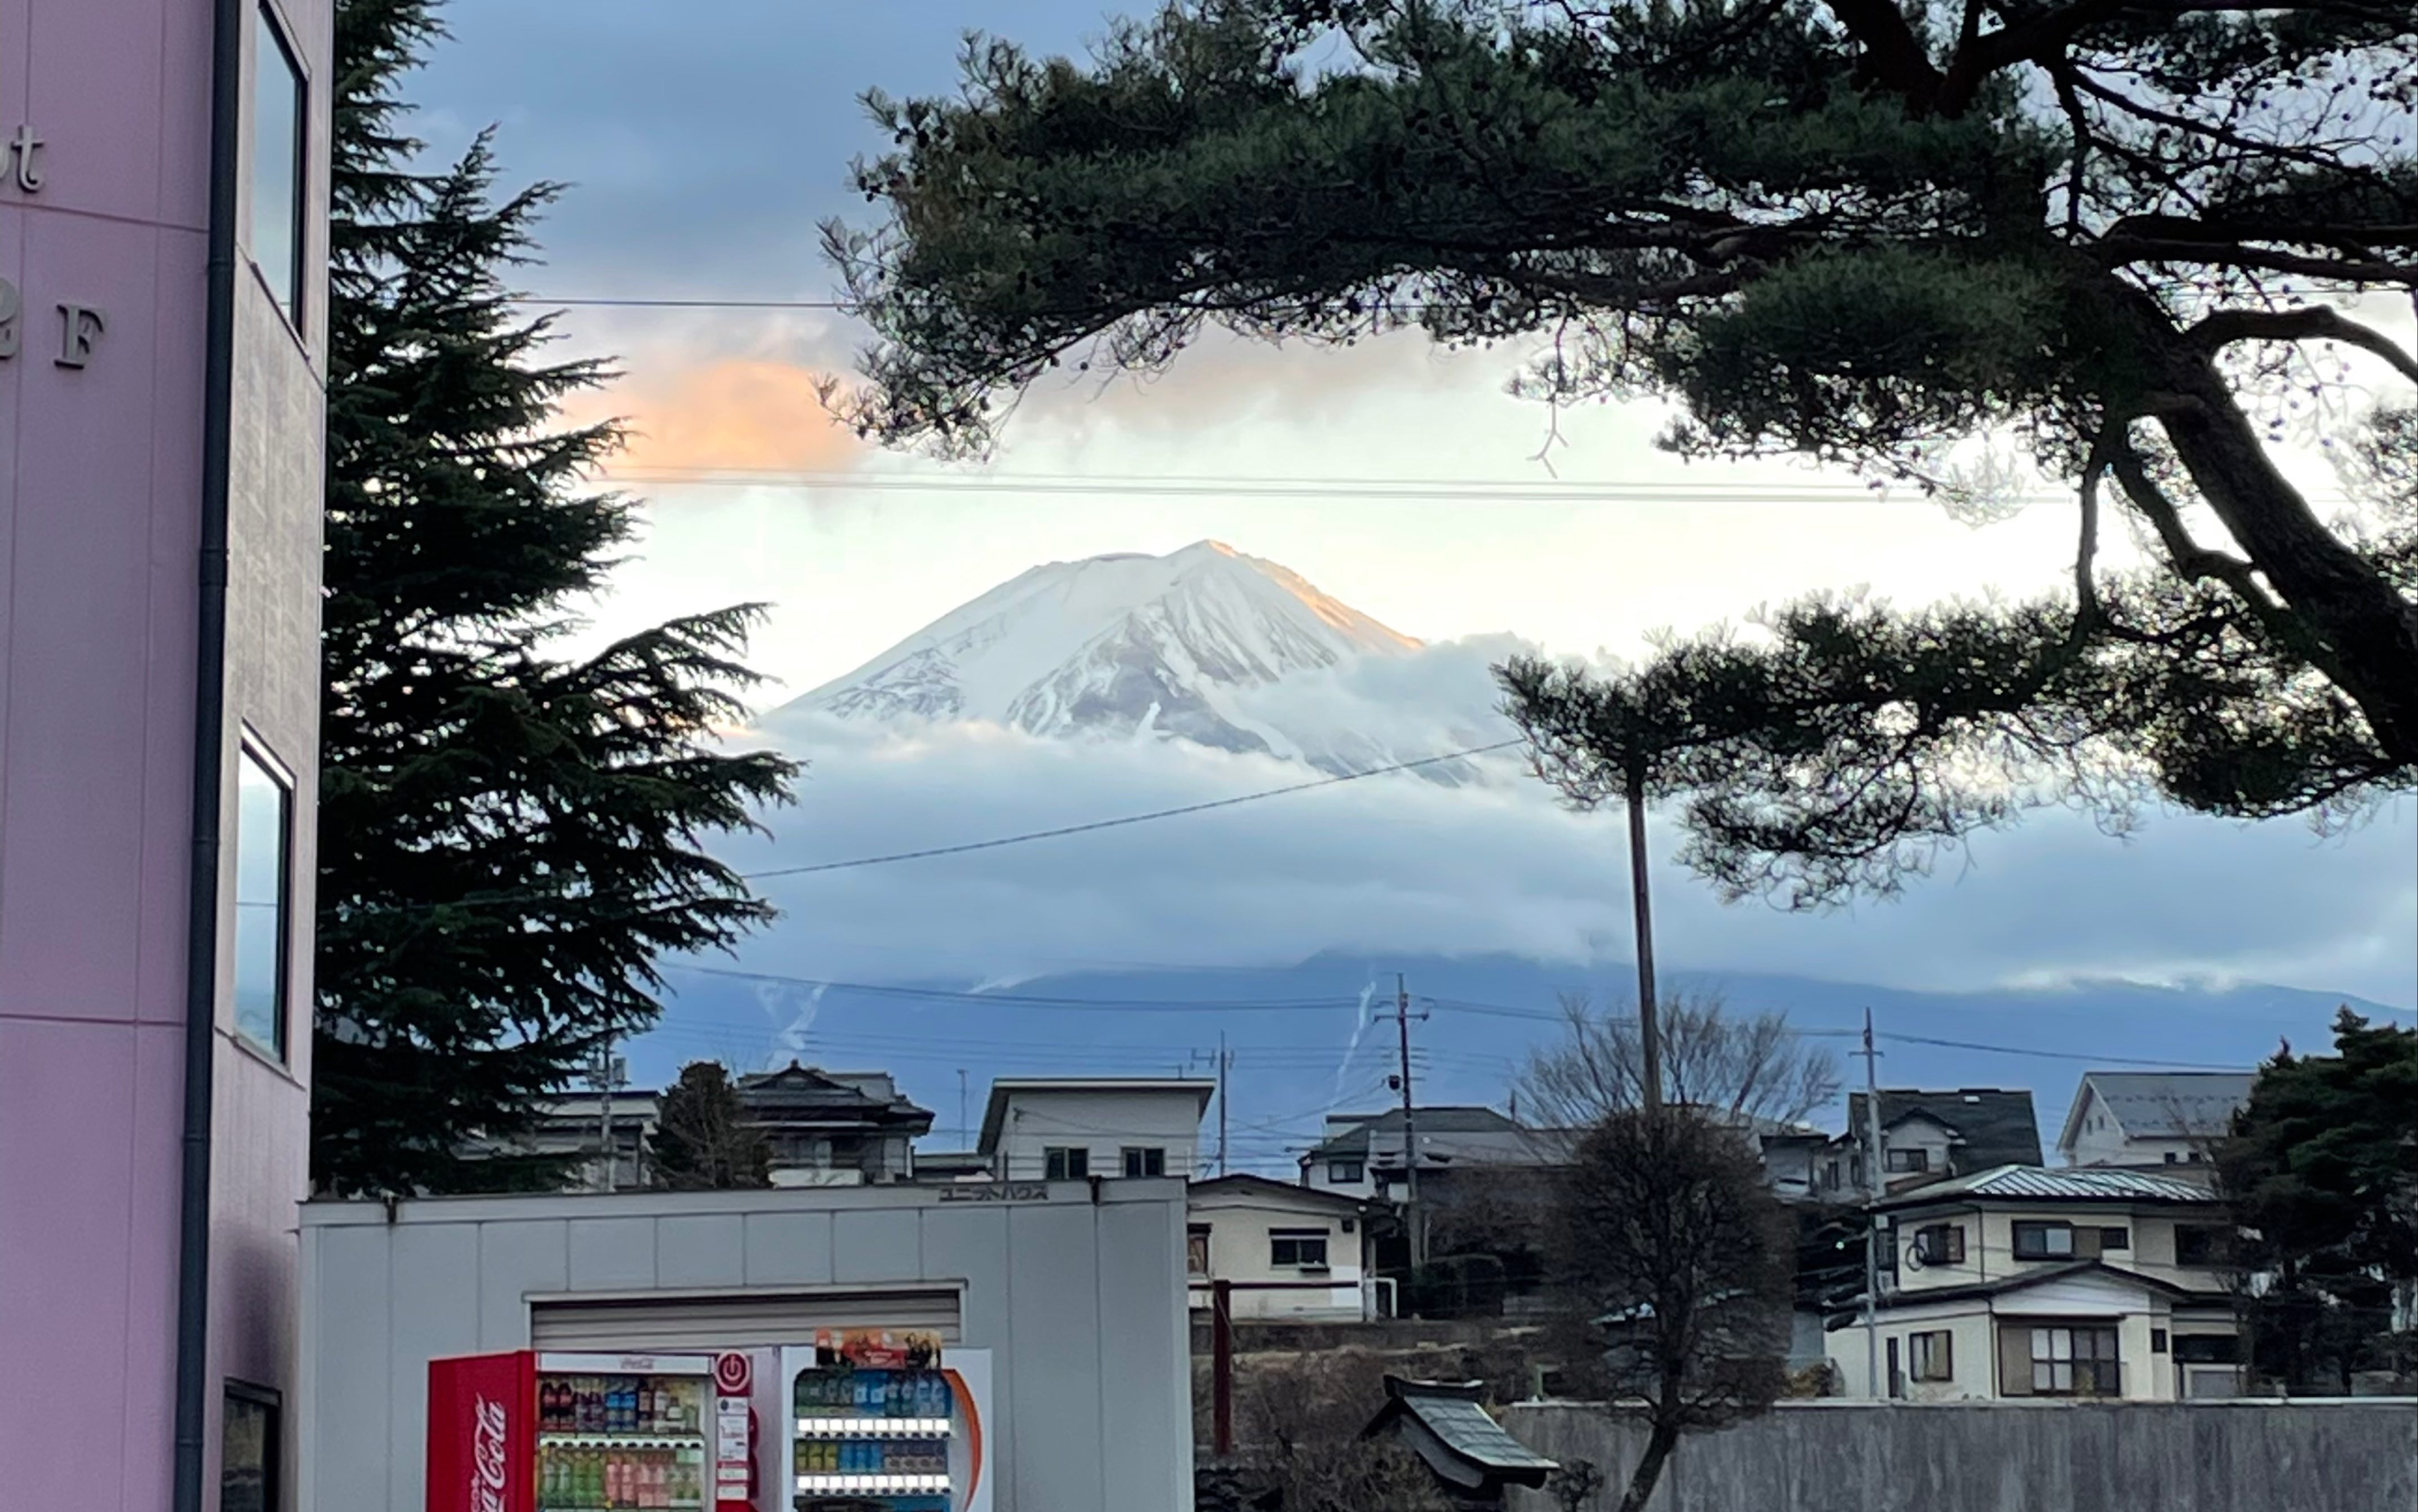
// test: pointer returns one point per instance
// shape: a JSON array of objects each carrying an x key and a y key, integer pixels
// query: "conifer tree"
[
  {"x": 705, "y": 1141},
  {"x": 509, "y": 839},
  {"x": 1938, "y": 241}
]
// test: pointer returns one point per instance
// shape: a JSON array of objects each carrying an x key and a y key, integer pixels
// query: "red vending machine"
[{"x": 562, "y": 1432}]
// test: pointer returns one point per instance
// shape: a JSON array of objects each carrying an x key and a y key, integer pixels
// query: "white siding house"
[
  {"x": 1253, "y": 1231},
  {"x": 2020, "y": 1282},
  {"x": 1067, "y": 1128},
  {"x": 2151, "y": 1118}
]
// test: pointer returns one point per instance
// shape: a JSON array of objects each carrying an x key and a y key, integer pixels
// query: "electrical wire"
[
  {"x": 1029, "y": 1000},
  {"x": 1096, "y": 825},
  {"x": 2056, "y": 1055}
]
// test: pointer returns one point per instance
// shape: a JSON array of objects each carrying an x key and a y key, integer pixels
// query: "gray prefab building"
[{"x": 1076, "y": 1288}]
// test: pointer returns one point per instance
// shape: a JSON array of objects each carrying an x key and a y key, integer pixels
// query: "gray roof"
[
  {"x": 1848, "y": 1306},
  {"x": 2031, "y": 1184},
  {"x": 1457, "y": 1427},
  {"x": 1994, "y": 1126},
  {"x": 2163, "y": 1104},
  {"x": 1355, "y": 1140}
]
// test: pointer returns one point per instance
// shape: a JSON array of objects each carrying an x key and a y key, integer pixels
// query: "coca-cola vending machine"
[{"x": 531, "y": 1431}]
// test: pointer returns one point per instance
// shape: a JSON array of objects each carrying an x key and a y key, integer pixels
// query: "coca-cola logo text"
[{"x": 488, "y": 1457}]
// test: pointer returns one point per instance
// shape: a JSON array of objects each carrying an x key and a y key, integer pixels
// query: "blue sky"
[{"x": 703, "y": 143}]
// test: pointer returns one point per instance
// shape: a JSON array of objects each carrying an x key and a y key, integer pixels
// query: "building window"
[
  {"x": 264, "y": 842},
  {"x": 2115, "y": 1239},
  {"x": 1146, "y": 1160},
  {"x": 249, "y": 1450},
  {"x": 1196, "y": 1249},
  {"x": 1297, "y": 1247},
  {"x": 1830, "y": 1175},
  {"x": 1061, "y": 1163},
  {"x": 1905, "y": 1162},
  {"x": 2076, "y": 1362},
  {"x": 1934, "y": 1355},
  {"x": 2157, "y": 1341},
  {"x": 2170, "y": 1157},
  {"x": 278, "y": 130},
  {"x": 2199, "y": 1244},
  {"x": 2208, "y": 1349},
  {"x": 1346, "y": 1172},
  {"x": 2044, "y": 1241},
  {"x": 1940, "y": 1243}
]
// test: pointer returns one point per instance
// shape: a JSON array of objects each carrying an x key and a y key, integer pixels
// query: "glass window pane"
[
  {"x": 262, "y": 821},
  {"x": 276, "y": 136},
  {"x": 247, "y": 1459}
]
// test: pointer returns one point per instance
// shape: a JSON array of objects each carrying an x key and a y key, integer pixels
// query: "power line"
[
  {"x": 1096, "y": 825},
  {"x": 2060, "y": 1055}
]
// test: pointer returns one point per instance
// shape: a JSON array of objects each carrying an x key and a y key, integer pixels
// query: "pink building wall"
[{"x": 100, "y": 501}]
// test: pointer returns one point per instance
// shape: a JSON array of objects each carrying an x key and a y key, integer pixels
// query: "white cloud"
[{"x": 1397, "y": 865}]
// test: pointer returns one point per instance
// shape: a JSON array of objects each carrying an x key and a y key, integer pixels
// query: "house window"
[
  {"x": 1297, "y": 1247},
  {"x": 1063, "y": 1163},
  {"x": 1346, "y": 1172},
  {"x": 249, "y": 1450},
  {"x": 278, "y": 130},
  {"x": 2157, "y": 1341},
  {"x": 1196, "y": 1249},
  {"x": 2208, "y": 1349},
  {"x": 1933, "y": 1355},
  {"x": 2170, "y": 1157},
  {"x": 1940, "y": 1243},
  {"x": 1146, "y": 1160},
  {"x": 2044, "y": 1241},
  {"x": 1830, "y": 1175},
  {"x": 1902, "y": 1162},
  {"x": 264, "y": 839},
  {"x": 2076, "y": 1362},
  {"x": 2199, "y": 1244},
  {"x": 2115, "y": 1239}
]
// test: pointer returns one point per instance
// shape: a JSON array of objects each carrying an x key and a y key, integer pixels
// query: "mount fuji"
[{"x": 1206, "y": 645}]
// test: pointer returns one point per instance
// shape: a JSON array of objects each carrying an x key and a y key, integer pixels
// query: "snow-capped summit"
[{"x": 1128, "y": 646}]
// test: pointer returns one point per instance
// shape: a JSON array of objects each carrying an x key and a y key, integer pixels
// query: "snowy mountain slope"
[{"x": 1191, "y": 646}]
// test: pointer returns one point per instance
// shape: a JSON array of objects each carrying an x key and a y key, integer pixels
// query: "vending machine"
[
  {"x": 882, "y": 1422},
  {"x": 529, "y": 1432}
]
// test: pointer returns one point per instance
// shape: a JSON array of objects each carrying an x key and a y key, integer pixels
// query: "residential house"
[
  {"x": 825, "y": 1128},
  {"x": 2153, "y": 1118},
  {"x": 1362, "y": 1154},
  {"x": 833, "y": 1128},
  {"x": 2020, "y": 1282},
  {"x": 1257, "y": 1233},
  {"x": 1068, "y": 1128},
  {"x": 572, "y": 1127},
  {"x": 1926, "y": 1135}
]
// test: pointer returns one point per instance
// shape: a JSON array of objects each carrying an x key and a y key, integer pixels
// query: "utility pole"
[
  {"x": 965, "y": 1135},
  {"x": 1415, "y": 1218},
  {"x": 604, "y": 1074},
  {"x": 1872, "y": 1219},
  {"x": 1649, "y": 1034},
  {"x": 1225, "y": 1062}
]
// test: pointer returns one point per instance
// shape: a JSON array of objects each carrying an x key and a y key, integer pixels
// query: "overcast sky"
[{"x": 703, "y": 143}]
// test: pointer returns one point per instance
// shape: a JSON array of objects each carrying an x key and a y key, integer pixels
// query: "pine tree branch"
[{"x": 2315, "y": 323}]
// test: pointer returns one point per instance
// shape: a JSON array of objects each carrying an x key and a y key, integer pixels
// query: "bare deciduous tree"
[
  {"x": 1735, "y": 1068},
  {"x": 1669, "y": 1235}
]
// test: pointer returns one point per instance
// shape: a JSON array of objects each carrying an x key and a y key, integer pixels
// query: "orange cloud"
[{"x": 738, "y": 412}]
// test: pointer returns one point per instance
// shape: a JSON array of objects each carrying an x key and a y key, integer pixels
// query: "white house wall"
[
  {"x": 1241, "y": 1233},
  {"x": 1103, "y": 1122}
]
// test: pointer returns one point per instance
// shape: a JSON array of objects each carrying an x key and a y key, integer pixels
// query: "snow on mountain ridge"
[{"x": 1129, "y": 645}]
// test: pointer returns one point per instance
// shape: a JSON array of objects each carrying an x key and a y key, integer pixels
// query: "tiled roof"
[
  {"x": 2031, "y": 1184},
  {"x": 1430, "y": 1121}
]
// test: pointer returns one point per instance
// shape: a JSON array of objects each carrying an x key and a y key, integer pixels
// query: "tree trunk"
[
  {"x": 2371, "y": 630},
  {"x": 1648, "y": 1474}
]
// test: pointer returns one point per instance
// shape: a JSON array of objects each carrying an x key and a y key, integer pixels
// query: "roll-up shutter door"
[{"x": 663, "y": 1324}]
